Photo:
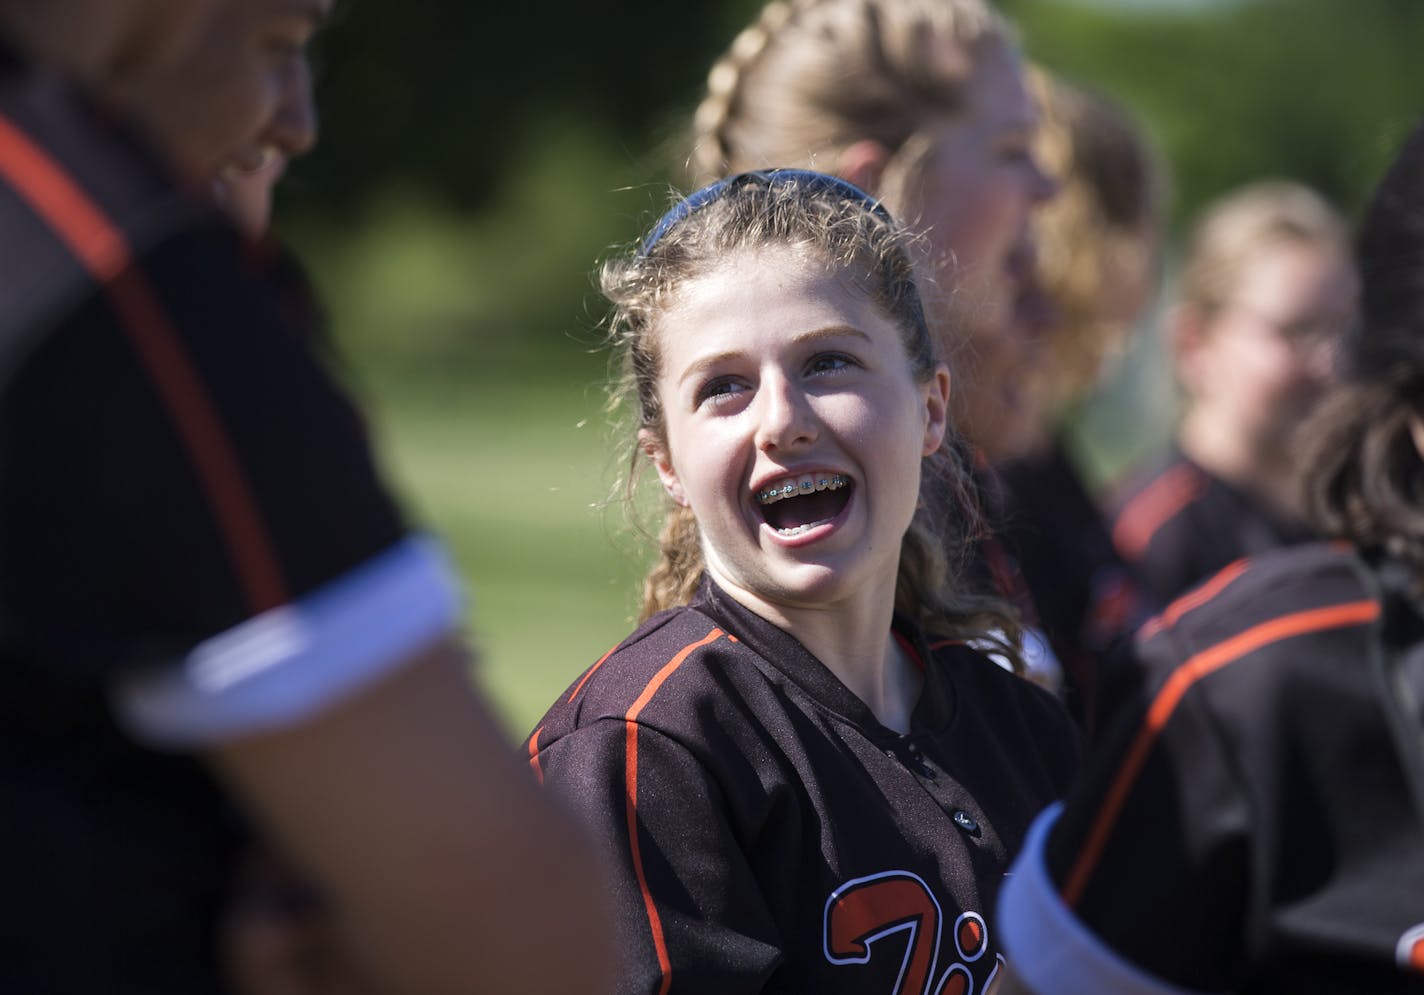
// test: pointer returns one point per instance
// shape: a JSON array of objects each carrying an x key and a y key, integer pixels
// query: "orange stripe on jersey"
[
  {"x": 1182, "y": 679},
  {"x": 631, "y": 760},
  {"x": 534, "y": 756},
  {"x": 99, "y": 245},
  {"x": 584, "y": 680},
  {"x": 1141, "y": 517},
  {"x": 1193, "y": 599}
]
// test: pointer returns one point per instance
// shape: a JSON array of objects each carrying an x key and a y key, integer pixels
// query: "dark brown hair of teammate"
[
  {"x": 851, "y": 238},
  {"x": 1364, "y": 476}
]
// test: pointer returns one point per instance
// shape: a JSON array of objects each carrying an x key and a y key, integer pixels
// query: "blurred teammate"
[
  {"x": 1098, "y": 246},
  {"x": 1254, "y": 821},
  {"x": 1267, "y": 291},
  {"x": 197, "y": 556},
  {"x": 923, "y": 103}
]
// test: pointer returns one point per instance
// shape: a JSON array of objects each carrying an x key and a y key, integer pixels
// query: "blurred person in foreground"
[
  {"x": 277, "y": 932},
  {"x": 1098, "y": 252},
  {"x": 200, "y": 572},
  {"x": 1254, "y": 820},
  {"x": 1267, "y": 292}
]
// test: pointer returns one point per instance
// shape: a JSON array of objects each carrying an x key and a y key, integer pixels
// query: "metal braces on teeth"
[
  {"x": 796, "y": 530},
  {"x": 806, "y": 486}
]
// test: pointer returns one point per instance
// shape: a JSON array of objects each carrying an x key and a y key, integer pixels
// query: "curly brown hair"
[
  {"x": 1363, "y": 478},
  {"x": 855, "y": 237}
]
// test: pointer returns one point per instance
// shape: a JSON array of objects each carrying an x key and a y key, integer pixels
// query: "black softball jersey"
[
  {"x": 1250, "y": 824},
  {"x": 767, "y": 834},
  {"x": 193, "y": 547},
  {"x": 1085, "y": 597},
  {"x": 1178, "y": 525}
]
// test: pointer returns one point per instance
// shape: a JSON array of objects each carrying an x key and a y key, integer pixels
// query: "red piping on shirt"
[
  {"x": 100, "y": 247},
  {"x": 631, "y": 761},
  {"x": 910, "y": 650},
  {"x": 1141, "y": 517},
  {"x": 584, "y": 680},
  {"x": 534, "y": 756},
  {"x": 1193, "y": 599},
  {"x": 1182, "y": 679}
]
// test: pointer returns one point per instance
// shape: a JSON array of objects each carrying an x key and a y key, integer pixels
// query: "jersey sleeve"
[
  {"x": 189, "y": 513},
  {"x": 1139, "y": 882},
  {"x": 689, "y": 916}
]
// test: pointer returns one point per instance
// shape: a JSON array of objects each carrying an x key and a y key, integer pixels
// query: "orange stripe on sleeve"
[
  {"x": 591, "y": 670},
  {"x": 631, "y": 804},
  {"x": 1193, "y": 599},
  {"x": 1141, "y": 517},
  {"x": 534, "y": 755},
  {"x": 1171, "y": 694},
  {"x": 101, "y": 248},
  {"x": 63, "y": 205}
]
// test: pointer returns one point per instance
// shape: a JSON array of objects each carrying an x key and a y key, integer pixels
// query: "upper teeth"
[{"x": 805, "y": 484}]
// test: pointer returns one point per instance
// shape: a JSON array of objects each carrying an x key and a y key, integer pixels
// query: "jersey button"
[
  {"x": 922, "y": 766},
  {"x": 966, "y": 822}
]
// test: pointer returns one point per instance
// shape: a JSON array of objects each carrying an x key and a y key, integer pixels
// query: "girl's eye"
[
  {"x": 719, "y": 391},
  {"x": 829, "y": 363}
]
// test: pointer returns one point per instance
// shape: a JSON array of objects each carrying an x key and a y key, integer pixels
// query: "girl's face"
[
  {"x": 979, "y": 188},
  {"x": 794, "y": 430},
  {"x": 1267, "y": 355},
  {"x": 242, "y": 95}
]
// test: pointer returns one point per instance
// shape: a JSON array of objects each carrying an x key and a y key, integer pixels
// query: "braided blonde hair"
[
  {"x": 809, "y": 78},
  {"x": 871, "y": 250}
]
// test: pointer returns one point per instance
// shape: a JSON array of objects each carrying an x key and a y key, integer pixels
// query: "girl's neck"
[
  {"x": 1221, "y": 451},
  {"x": 853, "y": 640}
]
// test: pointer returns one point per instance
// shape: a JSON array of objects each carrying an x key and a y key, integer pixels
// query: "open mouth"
[{"x": 794, "y": 505}]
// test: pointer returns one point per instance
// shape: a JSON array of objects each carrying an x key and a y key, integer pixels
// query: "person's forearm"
[{"x": 449, "y": 870}]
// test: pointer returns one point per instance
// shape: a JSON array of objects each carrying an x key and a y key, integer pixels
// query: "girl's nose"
[{"x": 785, "y": 419}]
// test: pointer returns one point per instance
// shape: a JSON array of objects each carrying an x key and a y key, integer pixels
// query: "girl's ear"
[
  {"x": 1187, "y": 340},
  {"x": 936, "y": 409},
  {"x": 656, "y": 451},
  {"x": 863, "y": 164}
]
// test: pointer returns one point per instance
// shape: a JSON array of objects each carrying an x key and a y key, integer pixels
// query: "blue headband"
[{"x": 808, "y": 178}]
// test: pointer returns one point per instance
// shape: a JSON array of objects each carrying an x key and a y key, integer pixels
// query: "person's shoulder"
[
  {"x": 1258, "y": 603},
  {"x": 983, "y": 678},
  {"x": 84, "y": 205},
  {"x": 1028, "y": 725},
  {"x": 81, "y": 166},
  {"x": 667, "y": 665},
  {"x": 1152, "y": 500}
]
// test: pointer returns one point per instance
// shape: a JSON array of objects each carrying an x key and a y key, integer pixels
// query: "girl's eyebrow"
[{"x": 703, "y": 363}]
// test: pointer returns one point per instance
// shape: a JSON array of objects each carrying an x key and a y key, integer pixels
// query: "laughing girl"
[{"x": 802, "y": 775}]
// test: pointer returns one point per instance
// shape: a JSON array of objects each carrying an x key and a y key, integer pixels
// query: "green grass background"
[
  {"x": 471, "y": 343},
  {"x": 513, "y": 478}
]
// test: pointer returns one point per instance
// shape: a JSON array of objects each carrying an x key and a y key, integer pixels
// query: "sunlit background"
[{"x": 477, "y": 159}]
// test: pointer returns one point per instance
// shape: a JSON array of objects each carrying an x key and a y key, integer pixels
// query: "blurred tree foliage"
[
  {"x": 477, "y": 158},
  {"x": 444, "y": 96},
  {"x": 1318, "y": 90}
]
